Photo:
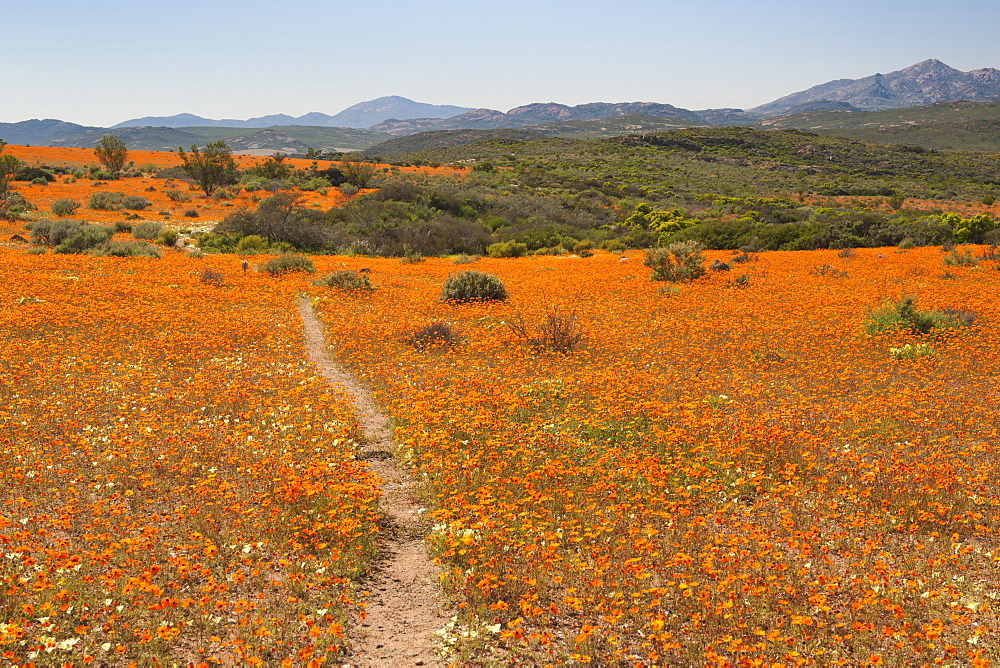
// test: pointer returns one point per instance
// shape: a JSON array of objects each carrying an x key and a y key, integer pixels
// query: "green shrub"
[
  {"x": 473, "y": 286},
  {"x": 349, "y": 190},
  {"x": 147, "y": 230},
  {"x": 902, "y": 316},
  {"x": 345, "y": 279},
  {"x": 64, "y": 206},
  {"x": 106, "y": 201},
  {"x": 315, "y": 183},
  {"x": 216, "y": 243},
  {"x": 284, "y": 264},
  {"x": 168, "y": 237},
  {"x": 37, "y": 250},
  {"x": 959, "y": 257},
  {"x": 507, "y": 249},
  {"x": 135, "y": 203},
  {"x": 125, "y": 249},
  {"x": 251, "y": 245},
  {"x": 465, "y": 259},
  {"x": 679, "y": 261},
  {"x": 191, "y": 213},
  {"x": 411, "y": 255}
]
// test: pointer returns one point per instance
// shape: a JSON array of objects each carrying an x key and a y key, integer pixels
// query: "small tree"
[
  {"x": 357, "y": 172},
  {"x": 210, "y": 168},
  {"x": 112, "y": 153},
  {"x": 281, "y": 217},
  {"x": 8, "y": 168}
]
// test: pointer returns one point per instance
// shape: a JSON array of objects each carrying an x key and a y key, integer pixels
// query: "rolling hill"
[{"x": 288, "y": 139}]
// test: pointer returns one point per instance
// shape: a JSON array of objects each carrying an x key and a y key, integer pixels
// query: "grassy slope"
[
  {"x": 599, "y": 129},
  {"x": 971, "y": 126},
  {"x": 736, "y": 161}
]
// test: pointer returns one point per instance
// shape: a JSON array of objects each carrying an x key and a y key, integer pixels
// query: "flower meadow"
[
  {"x": 724, "y": 472},
  {"x": 177, "y": 485}
]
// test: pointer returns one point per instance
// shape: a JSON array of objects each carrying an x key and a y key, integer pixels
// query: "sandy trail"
[{"x": 405, "y": 607}]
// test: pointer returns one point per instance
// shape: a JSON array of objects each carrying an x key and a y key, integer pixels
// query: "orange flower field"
[
  {"x": 176, "y": 482},
  {"x": 723, "y": 475},
  {"x": 727, "y": 472}
]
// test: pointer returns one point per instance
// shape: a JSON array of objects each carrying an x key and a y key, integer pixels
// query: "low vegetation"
[
  {"x": 345, "y": 279},
  {"x": 902, "y": 315},
  {"x": 473, "y": 286}
]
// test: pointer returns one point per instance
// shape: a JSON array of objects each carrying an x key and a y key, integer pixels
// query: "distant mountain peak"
[{"x": 926, "y": 82}]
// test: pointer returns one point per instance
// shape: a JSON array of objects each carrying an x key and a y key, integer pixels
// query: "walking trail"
[{"x": 405, "y": 606}]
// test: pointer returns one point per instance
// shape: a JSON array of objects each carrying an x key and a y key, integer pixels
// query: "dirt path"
[{"x": 405, "y": 605}]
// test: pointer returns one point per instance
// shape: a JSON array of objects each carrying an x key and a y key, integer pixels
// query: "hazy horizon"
[{"x": 103, "y": 65}]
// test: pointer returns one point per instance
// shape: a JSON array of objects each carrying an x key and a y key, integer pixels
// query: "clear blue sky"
[{"x": 99, "y": 63}]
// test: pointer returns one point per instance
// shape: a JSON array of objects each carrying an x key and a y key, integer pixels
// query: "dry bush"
[
  {"x": 211, "y": 276},
  {"x": 433, "y": 334},
  {"x": 560, "y": 331}
]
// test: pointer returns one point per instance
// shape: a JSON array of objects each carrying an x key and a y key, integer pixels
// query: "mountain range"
[
  {"x": 369, "y": 123},
  {"x": 361, "y": 115}
]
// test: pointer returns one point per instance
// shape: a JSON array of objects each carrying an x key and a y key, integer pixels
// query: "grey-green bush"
[
  {"x": 135, "y": 203},
  {"x": 53, "y": 232},
  {"x": 125, "y": 249},
  {"x": 64, "y": 206},
  {"x": 473, "y": 286},
  {"x": 177, "y": 195},
  {"x": 84, "y": 238},
  {"x": 345, "y": 279},
  {"x": 106, "y": 201},
  {"x": 147, "y": 230}
]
